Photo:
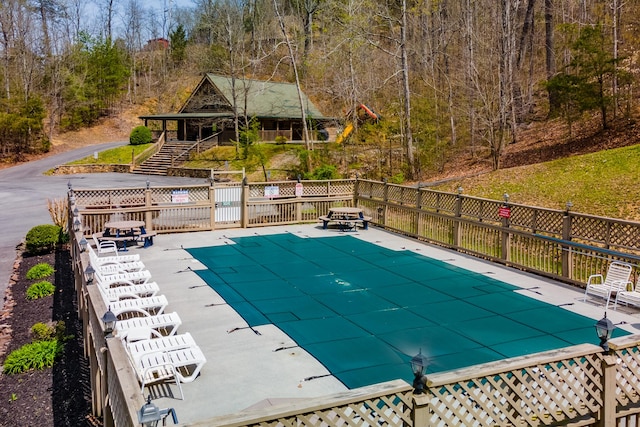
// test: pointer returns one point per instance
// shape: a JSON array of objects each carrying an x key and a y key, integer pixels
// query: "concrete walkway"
[{"x": 24, "y": 191}]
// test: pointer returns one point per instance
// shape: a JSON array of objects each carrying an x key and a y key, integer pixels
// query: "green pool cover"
[{"x": 363, "y": 311}]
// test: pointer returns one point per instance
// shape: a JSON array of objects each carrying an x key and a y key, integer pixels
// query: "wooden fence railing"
[{"x": 578, "y": 385}]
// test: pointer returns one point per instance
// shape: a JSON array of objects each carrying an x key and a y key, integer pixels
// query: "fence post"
[
  {"x": 609, "y": 401},
  {"x": 566, "y": 235},
  {"x": 420, "y": 410},
  {"x": 148, "y": 217},
  {"x": 385, "y": 198},
  {"x": 212, "y": 200},
  {"x": 506, "y": 236},
  {"x": 244, "y": 199},
  {"x": 456, "y": 223}
]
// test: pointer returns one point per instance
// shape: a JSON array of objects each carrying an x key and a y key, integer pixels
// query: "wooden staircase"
[{"x": 172, "y": 153}]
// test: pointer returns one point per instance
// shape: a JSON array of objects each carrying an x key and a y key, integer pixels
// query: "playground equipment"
[{"x": 363, "y": 113}]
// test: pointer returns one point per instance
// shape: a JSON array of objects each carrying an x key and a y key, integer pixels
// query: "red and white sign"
[
  {"x": 504, "y": 212},
  {"x": 299, "y": 189}
]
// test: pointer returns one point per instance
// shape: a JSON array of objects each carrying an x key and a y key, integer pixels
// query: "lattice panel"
[
  {"x": 195, "y": 194},
  {"x": 543, "y": 394},
  {"x": 392, "y": 410},
  {"x": 589, "y": 228},
  {"x": 625, "y": 235},
  {"x": 437, "y": 201},
  {"x": 486, "y": 210},
  {"x": 377, "y": 190},
  {"x": 547, "y": 221},
  {"x": 124, "y": 197},
  {"x": 404, "y": 196},
  {"x": 628, "y": 384}
]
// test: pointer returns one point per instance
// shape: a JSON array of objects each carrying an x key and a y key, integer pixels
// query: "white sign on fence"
[
  {"x": 180, "y": 196},
  {"x": 271, "y": 191}
]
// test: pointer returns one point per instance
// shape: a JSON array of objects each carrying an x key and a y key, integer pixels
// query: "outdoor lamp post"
[
  {"x": 418, "y": 366},
  {"x": 83, "y": 244},
  {"x": 76, "y": 225},
  {"x": 76, "y": 212},
  {"x": 148, "y": 183},
  {"x": 89, "y": 272},
  {"x": 604, "y": 328},
  {"x": 109, "y": 319}
]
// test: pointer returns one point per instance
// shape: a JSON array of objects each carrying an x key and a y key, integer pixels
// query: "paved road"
[{"x": 24, "y": 191}]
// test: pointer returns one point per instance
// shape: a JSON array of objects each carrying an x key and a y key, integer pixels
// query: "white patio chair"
[
  {"x": 146, "y": 306},
  {"x": 629, "y": 296},
  {"x": 167, "y": 322},
  {"x": 616, "y": 280},
  {"x": 105, "y": 246}
]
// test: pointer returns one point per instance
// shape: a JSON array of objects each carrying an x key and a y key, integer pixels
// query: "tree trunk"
[
  {"x": 549, "y": 53},
  {"x": 411, "y": 163},
  {"x": 303, "y": 115}
]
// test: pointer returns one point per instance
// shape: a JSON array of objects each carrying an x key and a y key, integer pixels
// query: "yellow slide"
[{"x": 345, "y": 133}]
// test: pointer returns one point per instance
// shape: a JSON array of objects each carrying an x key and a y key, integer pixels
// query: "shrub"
[
  {"x": 42, "y": 238},
  {"x": 40, "y": 271},
  {"x": 140, "y": 135},
  {"x": 41, "y": 331},
  {"x": 36, "y": 355},
  {"x": 281, "y": 139},
  {"x": 40, "y": 290},
  {"x": 325, "y": 172}
]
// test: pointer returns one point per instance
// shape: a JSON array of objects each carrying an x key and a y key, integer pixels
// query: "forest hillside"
[{"x": 450, "y": 79}]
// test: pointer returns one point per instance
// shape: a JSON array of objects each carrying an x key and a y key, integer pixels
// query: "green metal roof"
[
  {"x": 177, "y": 116},
  {"x": 266, "y": 99}
]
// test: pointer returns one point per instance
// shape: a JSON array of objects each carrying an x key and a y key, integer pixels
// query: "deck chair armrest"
[{"x": 592, "y": 279}]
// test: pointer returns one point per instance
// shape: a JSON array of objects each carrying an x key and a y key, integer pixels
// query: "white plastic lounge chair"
[
  {"x": 155, "y": 367},
  {"x": 135, "y": 277},
  {"x": 168, "y": 343},
  {"x": 616, "y": 280},
  {"x": 167, "y": 322},
  {"x": 105, "y": 247},
  {"x": 146, "y": 306},
  {"x": 185, "y": 356},
  {"x": 110, "y": 259},
  {"x": 125, "y": 267},
  {"x": 117, "y": 293},
  {"x": 629, "y": 297}
]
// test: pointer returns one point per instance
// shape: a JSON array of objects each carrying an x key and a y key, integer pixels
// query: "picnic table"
[
  {"x": 347, "y": 218},
  {"x": 123, "y": 232}
]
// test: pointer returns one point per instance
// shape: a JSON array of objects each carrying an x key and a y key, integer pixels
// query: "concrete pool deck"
[{"x": 243, "y": 368}]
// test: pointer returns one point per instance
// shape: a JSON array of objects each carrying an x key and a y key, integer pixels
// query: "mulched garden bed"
[{"x": 58, "y": 396}]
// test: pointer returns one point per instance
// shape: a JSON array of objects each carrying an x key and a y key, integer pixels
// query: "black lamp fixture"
[
  {"x": 89, "y": 272},
  {"x": 148, "y": 184},
  {"x": 83, "y": 244},
  {"x": 76, "y": 212},
  {"x": 109, "y": 319},
  {"x": 604, "y": 328},
  {"x": 418, "y": 366},
  {"x": 76, "y": 225},
  {"x": 460, "y": 190},
  {"x": 150, "y": 415},
  {"x": 505, "y": 196}
]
